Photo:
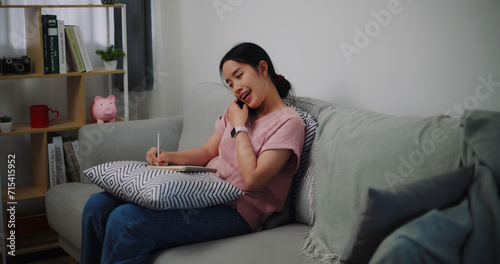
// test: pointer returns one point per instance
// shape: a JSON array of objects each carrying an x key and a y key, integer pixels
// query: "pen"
[{"x": 158, "y": 145}]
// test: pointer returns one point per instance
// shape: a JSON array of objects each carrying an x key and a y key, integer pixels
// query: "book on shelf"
[
  {"x": 61, "y": 35},
  {"x": 64, "y": 47},
  {"x": 49, "y": 33},
  {"x": 53, "y": 45},
  {"x": 75, "y": 148},
  {"x": 50, "y": 44},
  {"x": 45, "y": 43},
  {"x": 73, "y": 55},
  {"x": 64, "y": 165},
  {"x": 57, "y": 140},
  {"x": 83, "y": 49},
  {"x": 52, "y": 164},
  {"x": 71, "y": 159}
]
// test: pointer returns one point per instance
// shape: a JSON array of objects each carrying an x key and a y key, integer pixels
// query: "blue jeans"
[{"x": 114, "y": 231}]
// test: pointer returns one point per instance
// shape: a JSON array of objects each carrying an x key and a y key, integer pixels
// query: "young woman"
[{"x": 258, "y": 153}]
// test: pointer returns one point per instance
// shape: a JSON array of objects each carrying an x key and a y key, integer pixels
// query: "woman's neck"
[{"x": 272, "y": 103}]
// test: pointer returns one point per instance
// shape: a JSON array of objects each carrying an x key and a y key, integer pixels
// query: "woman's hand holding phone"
[{"x": 238, "y": 115}]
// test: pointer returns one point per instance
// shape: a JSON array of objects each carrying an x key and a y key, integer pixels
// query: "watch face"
[{"x": 236, "y": 130}]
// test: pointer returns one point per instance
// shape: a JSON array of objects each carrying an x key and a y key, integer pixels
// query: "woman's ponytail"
[{"x": 282, "y": 85}]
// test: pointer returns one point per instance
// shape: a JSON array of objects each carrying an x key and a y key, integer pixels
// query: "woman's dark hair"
[{"x": 252, "y": 54}]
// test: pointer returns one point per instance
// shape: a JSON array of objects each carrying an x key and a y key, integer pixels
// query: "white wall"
[{"x": 428, "y": 58}]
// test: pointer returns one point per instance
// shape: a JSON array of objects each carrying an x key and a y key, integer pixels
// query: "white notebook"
[{"x": 184, "y": 168}]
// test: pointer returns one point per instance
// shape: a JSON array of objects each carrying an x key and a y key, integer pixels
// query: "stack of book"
[
  {"x": 64, "y": 49},
  {"x": 64, "y": 165}
]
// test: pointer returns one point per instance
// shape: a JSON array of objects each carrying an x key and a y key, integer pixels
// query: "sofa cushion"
[
  {"x": 357, "y": 149},
  {"x": 280, "y": 245},
  {"x": 64, "y": 204},
  {"x": 386, "y": 210},
  {"x": 134, "y": 181}
]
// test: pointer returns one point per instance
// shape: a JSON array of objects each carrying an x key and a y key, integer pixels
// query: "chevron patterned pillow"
[{"x": 134, "y": 182}]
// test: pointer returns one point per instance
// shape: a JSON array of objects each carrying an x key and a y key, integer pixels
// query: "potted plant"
[
  {"x": 5, "y": 123},
  {"x": 109, "y": 56}
]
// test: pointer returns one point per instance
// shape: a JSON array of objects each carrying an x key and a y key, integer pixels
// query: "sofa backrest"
[{"x": 100, "y": 143}]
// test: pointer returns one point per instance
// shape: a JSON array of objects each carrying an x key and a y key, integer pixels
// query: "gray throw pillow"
[
  {"x": 436, "y": 237},
  {"x": 387, "y": 210}
]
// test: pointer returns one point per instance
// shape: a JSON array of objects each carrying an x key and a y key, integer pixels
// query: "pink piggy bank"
[{"x": 103, "y": 109}]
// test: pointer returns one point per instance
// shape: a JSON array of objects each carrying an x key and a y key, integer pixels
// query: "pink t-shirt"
[{"x": 283, "y": 129}]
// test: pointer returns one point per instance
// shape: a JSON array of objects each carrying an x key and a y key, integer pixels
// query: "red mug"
[{"x": 39, "y": 115}]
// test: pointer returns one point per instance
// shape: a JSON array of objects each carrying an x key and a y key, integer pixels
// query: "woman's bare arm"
[{"x": 196, "y": 156}]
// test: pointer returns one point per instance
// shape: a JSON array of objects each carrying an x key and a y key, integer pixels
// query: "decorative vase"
[
  {"x": 6, "y": 127},
  {"x": 107, "y": 2},
  {"x": 110, "y": 65}
]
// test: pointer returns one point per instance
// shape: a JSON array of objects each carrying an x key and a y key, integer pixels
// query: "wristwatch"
[{"x": 237, "y": 130}]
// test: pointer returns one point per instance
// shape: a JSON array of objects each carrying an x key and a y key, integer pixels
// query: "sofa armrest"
[{"x": 130, "y": 140}]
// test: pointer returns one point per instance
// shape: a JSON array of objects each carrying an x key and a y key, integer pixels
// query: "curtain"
[{"x": 139, "y": 45}]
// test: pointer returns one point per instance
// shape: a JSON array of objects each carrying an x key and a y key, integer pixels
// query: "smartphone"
[{"x": 251, "y": 111}]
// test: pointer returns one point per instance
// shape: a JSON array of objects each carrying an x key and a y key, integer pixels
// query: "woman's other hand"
[{"x": 152, "y": 159}]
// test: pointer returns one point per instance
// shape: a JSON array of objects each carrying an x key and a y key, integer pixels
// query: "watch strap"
[{"x": 237, "y": 130}]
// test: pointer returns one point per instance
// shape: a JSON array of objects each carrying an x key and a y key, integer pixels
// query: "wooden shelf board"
[
  {"x": 96, "y": 71},
  {"x": 90, "y": 121},
  {"x": 25, "y": 128},
  {"x": 58, "y": 125},
  {"x": 22, "y": 193}
]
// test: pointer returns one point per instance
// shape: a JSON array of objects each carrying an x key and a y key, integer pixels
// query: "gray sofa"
[{"x": 99, "y": 143}]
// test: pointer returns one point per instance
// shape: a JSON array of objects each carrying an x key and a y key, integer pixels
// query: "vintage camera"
[{"x": 15, "y": 65}]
